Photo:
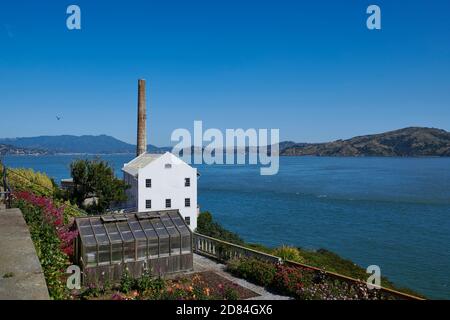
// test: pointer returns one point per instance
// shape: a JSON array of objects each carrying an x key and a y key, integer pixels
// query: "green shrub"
[
  {"x": 21, "y": 179},
  {"x": 91, "y": 291},
  {"x": 289, "y": 253},
  {"x": 70, "y": 210},
  {"x": 127, "y": 283},
  {"x": 145, "y": 282},
  {"x": 230, "y": 294},
  {"x": 253, "y": 270}
]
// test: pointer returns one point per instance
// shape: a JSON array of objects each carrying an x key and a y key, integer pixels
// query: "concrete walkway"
[
  {"x": 21, "y": 276},
  {"x": 204, "y": 264}
]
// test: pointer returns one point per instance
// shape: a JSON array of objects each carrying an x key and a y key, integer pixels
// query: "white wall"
[{"x": 169, "y": 184}]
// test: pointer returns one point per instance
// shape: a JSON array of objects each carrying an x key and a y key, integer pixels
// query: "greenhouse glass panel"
[
  {"x": 90, "y": 255},
  {"x": 148, "y": 228},
  {"x": 175, "y": 241},
  {"x": 153, "y": 248},
  {"x": 186, "y": 244},
  {"x": 129, "y": 248},
  {"x": 141, "y": 249},
  {"x": 116, "y": 252},
  {"x": 159, "y": 228},
  {"x": 132, "y": 238},
  {"x": 164, "y": 246},
  {"x": 125, "y": 231},
  {"x": 104, "y": 254},
  {"x": 113, "y": 232},
  {"x": 152, "y": 237},
  {"x": 134, "y": 224},
  {"x": 164, "y": 239},
  {"x": 102, "y": 239},
  {"x": 129, "y": 251},
  {"x": 89, "y": 240},
  {"x": 85, "y": 230}
]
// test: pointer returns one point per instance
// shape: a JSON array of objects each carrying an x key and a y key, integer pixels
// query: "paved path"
[
  {"x": 21, "y": 276},
  {"x": 204, "y": 264}
]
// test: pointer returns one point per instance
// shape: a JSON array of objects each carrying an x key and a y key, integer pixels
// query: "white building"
[{"x": 160, "y": 182}]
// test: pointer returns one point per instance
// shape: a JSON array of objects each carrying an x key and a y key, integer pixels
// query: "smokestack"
[{"x": 142, "y": 118}]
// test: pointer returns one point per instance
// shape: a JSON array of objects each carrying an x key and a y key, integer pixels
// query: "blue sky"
[{"x": 311, "y": 69}]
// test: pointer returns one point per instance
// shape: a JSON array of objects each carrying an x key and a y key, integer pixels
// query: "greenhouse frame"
[{"x": 157, "y": 241}]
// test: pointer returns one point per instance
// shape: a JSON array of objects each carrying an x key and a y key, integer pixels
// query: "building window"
[
  {"x": 167, "y": 166},
  {"x": 168, "y": 203},
  {"x": 148, "y": 204},
  {"x": 148, "y": 183},
  {"x": 187, "y": 182},
  {"x": 188, "y": 220},
  {"x": 187, "y": 202}
]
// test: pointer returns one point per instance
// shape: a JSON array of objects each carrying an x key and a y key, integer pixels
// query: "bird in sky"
[{"x": 58, "y": 117}]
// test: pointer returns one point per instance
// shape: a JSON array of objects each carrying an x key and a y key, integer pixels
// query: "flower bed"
[
  {"x": 199, "y": 286},
  {"x": 51, "y": 236},
  {"x": 303, "y": 284}
]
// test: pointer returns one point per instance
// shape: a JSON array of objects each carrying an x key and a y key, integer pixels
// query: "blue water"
[{"x": 391, "y": 212}]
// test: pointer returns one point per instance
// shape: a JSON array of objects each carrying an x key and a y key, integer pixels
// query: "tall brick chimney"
[{"x": 141, "y": 120}]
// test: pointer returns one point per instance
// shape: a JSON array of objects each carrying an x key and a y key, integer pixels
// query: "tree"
[{"x": 95, "y": 180}]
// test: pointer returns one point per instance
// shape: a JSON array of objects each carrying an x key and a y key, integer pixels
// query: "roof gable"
[
  {"x": 146, "y": 159},
  {"x": 139, "y": 162}
]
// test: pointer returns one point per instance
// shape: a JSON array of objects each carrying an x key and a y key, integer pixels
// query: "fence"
[{"x": 223, "y": 251}]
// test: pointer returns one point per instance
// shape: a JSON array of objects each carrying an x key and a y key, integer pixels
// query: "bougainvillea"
[
  {"x": 53, "y": 215},
  {"x": 52, "y": 238}
]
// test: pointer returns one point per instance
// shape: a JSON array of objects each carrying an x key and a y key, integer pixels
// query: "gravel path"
[{"x": 204, "y": 264}]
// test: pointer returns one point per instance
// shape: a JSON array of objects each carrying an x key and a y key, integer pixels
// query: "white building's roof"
[{"x": 139, "y": 162}]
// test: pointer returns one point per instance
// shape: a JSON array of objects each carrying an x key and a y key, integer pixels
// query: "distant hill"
[
  {"x": 101, "y": 144},
  {"x": 8, "y": 149},
  {"x": 412, "y": 141}
]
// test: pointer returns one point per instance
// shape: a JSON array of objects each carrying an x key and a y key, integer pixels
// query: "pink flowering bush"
[
  {"x": 53, "y": 216},
  {"x": 301, "y": 283},
  {"x": 52, "y": 238}
]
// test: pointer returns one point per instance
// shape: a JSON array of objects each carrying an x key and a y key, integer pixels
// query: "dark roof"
[{"x": 128, "y": 227}]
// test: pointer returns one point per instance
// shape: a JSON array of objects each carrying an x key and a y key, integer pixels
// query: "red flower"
[{"x": 53, "y": 215}]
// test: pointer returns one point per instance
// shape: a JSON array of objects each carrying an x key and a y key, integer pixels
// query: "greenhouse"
[{"x": 158, "y": 241}]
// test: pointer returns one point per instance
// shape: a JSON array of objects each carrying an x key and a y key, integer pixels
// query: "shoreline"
[{"x": 284, "y": 155}]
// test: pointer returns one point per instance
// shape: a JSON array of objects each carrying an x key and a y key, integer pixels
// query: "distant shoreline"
[
  {"x": 406, "y": 142},
  {"x": 281, "y": 156}
]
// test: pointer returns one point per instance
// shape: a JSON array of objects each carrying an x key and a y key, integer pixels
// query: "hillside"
[
  {"x": 101, "y": 144},
  {"x": 412, "y": 141}
]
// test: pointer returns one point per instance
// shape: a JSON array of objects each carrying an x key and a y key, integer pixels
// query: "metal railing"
[{"x": 223, "y": 251}]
